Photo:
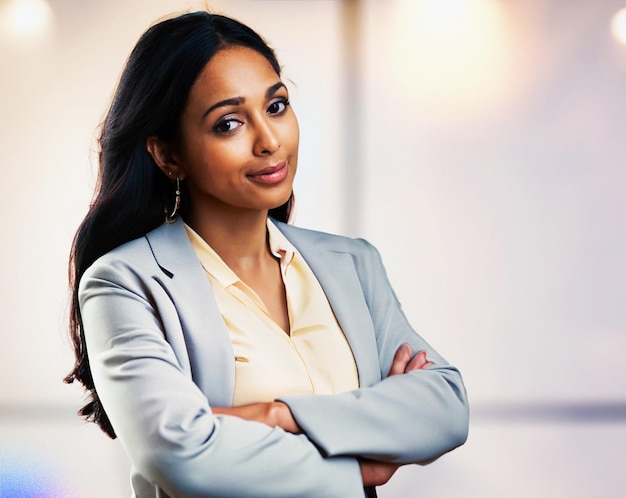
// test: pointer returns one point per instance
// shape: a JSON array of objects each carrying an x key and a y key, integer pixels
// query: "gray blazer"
[{"x": 160, "y": 356}]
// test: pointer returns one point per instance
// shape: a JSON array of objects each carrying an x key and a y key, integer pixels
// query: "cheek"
[
  {"x": 292, "y": 134},
  {"x": 212, "y": 160}
]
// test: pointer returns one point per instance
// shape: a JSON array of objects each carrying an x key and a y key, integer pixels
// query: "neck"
[{"x": 240, "y": 239}]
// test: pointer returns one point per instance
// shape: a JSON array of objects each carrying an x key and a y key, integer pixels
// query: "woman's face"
[{"x": 239, "y": 135}]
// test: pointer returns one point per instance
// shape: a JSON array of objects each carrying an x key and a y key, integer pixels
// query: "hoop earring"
[{"x": 171, "y": 218}]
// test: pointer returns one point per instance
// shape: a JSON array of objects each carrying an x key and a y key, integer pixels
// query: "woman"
[{"x": 235, "y": 355}]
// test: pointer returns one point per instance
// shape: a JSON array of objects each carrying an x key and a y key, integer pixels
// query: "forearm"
[
  {"x": 384, "y": 414},
  {"x": 277, "y": 414},
  {"x": 408, "y": 418},
  {"x": 348, "y": 423}
]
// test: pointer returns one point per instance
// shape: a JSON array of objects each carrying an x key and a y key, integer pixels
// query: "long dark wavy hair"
[{"x": 132, "y": 193}]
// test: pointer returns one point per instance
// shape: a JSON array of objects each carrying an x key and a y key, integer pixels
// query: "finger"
[
  {"x": 375, "y": 473},
  {"x": 418, "y": 362},
  {"x": 400, "y": 360}
]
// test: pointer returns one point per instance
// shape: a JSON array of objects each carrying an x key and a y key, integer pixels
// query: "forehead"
[{"x": 234, "y": 72}]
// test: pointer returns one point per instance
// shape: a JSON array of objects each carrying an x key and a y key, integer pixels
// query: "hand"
[
  {"x": 375, "y": 473},
  {"x": 274, "y": 414},
  {"x": 404, "y": 361}
]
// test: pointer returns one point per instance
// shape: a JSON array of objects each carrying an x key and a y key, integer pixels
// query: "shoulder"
[{"x": 135, "y": 257}]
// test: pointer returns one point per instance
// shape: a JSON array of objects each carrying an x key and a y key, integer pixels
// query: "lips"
[{"x": 271, "y": 175}]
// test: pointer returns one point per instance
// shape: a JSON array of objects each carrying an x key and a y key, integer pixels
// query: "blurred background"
[{"x": 479, "y": 144}]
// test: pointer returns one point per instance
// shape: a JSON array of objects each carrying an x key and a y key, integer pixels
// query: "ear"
[{"x": 163, "y": 155}]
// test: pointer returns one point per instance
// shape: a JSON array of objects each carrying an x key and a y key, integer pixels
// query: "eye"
[
  {"x": 278, "y": 106},
  {"x": 226, "y": 126}
]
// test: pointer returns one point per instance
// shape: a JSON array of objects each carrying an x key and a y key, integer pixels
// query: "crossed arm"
[
  {"x": 143, "y": 376},
  {"x": 278, "y": 414}
]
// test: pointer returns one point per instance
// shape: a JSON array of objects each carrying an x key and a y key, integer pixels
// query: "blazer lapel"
[
  {"x": 337, "y": 275},
  {"x": 207, "y": 340}
]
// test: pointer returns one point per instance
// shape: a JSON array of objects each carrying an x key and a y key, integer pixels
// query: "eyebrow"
[{"x": 240, "y": 100}]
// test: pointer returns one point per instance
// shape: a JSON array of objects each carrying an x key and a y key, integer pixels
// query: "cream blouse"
[{"x": 314, "y": 358}]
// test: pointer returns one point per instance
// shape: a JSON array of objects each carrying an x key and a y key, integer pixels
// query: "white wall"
[{"x": 491, "y": 178}]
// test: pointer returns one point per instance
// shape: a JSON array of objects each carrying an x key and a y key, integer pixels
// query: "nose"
[{"x": 266, "y": 140}]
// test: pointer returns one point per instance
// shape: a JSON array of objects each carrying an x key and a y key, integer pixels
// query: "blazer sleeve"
[
  {"x": 164, "y": 421},
  {"x": 410, "y": 418}
]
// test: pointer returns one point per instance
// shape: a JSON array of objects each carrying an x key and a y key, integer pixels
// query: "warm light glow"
[
  {"x": 452, "y": 55},
  {"x": 26, "y": 19},
  {"x": 618, "y": 26}
]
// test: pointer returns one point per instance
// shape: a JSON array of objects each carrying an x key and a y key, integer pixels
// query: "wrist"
[
  {"x": 282, "y": 417},
  {"x": 274, "y": 413}
]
